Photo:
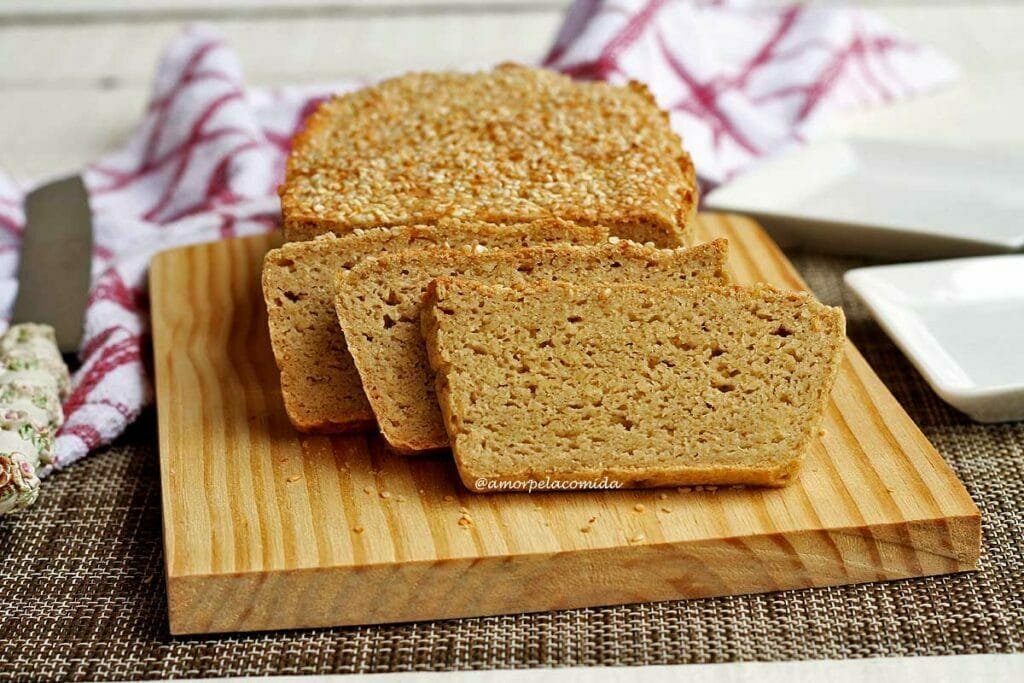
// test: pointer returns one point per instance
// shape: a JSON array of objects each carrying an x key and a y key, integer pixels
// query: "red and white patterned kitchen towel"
[
  {"x": 742, "y": 81},
  {"x": 203, "y": 164},
  {"x": 205, "y": 160}
]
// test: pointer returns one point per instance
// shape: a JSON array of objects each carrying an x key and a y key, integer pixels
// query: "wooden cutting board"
[{"x": 267, "y": 529}]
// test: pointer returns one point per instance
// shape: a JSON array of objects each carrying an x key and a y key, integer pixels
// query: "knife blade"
[{"x": 56, "y": 260}]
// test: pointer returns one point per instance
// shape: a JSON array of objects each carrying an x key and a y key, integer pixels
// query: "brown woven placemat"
[{"x": 82, "y": 595}]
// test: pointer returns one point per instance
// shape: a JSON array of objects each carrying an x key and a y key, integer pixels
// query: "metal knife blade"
[{"x": 56, "y": 258}]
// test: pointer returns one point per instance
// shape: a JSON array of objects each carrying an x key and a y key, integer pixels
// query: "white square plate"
[
  {"x": 961, "y": 322},
  {"x": 885, "y": 199}
]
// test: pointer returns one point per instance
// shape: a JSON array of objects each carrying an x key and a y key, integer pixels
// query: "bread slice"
[
  {"x": 379, "y": 300},
  {"x": 320, "y": 384},
  {"x": 511, "y": 145},
  {"x": 643, "y": 386}
]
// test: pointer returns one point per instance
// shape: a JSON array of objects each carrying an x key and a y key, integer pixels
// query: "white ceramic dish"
[
  {"x": 885, "y": 199},
  {"x": 961, "y": 322}
]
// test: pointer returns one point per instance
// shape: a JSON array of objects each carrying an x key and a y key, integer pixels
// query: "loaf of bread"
[
  {"x": 379, "y": 302},
  {"x": 644, "y": 386},
  {"x": 319, "y": 383},
  {"x": 507, "y": 146}
]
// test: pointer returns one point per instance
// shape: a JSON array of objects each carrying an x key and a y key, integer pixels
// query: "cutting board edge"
[{"x": 250, "y": 601}]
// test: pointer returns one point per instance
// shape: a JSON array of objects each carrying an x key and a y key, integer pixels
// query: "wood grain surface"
[{"x": 265, "y": 528}]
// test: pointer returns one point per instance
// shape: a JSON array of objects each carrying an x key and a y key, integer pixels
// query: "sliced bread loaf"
[
  {"x": 645, "y": 386},
  {"x": 318, "y": 380},
  {"x": 505, "y": 146},
  {"x": 379, "y": 301}
]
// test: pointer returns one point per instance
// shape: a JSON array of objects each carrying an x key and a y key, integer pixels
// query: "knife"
[{"x": 56, "y": 260}]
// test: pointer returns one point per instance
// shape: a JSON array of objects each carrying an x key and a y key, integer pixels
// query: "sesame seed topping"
[{"x": 510, "y": 145}]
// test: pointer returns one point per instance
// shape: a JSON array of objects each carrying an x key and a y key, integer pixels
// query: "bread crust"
[{"x": 519, "y": 144}]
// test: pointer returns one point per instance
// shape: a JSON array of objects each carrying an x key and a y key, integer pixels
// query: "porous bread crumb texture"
[
  {"x": 319, "y": 382},
  {"x": 514, "y": 144},
  {"x": 379, "y": 303},
  {"x": 647, "y": 386}
]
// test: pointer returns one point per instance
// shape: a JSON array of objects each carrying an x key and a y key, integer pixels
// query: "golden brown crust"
[
  {"x": 690, "y": 197},
  {"x": 354, "y": 423},
  {"x": 514, "y": 144}
]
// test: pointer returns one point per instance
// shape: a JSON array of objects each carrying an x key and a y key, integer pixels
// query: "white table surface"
[{"x": 74, "y": 77}]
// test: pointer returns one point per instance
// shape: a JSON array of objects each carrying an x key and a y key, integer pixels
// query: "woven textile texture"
[{"x": 81, "y": 580}]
